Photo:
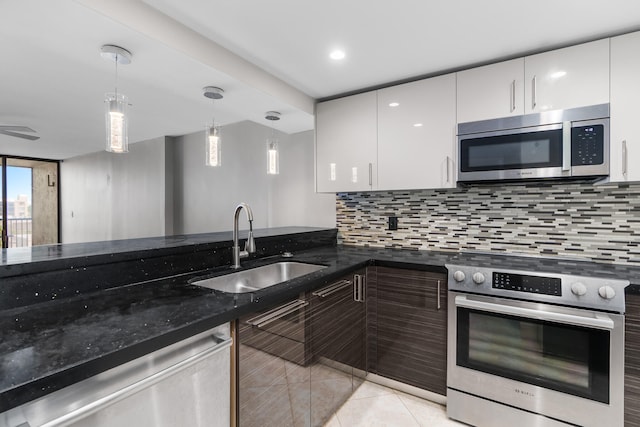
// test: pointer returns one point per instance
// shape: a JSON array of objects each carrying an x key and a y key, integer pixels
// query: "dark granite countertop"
[
  {"x": 48, "y": 346},
  {"x": 47, "y": 257}
]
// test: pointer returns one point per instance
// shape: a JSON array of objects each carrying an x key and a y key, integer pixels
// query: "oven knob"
[
  {"x": 578, "y": 289},
  {"x": 478, "y": 278},
  {"x": 606, "y": 292},
  {"x": 459, "y": 276}
]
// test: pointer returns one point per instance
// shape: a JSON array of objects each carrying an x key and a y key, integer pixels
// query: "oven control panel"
[
  {"x": 523, "y": 283},
  {"x": 527, "y": 285}
]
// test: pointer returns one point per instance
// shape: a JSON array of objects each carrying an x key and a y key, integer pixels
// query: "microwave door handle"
[
  {"x": 600, "y": 321},
  {"x": 566, "y": 146}
]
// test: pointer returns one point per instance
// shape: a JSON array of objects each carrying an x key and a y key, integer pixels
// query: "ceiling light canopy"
[
  {"x": 116, "y": 54},
  {"x": 116, "y": 104},
  {"x": 213, "y": 92},
  {"x": 272, "y": 115}
]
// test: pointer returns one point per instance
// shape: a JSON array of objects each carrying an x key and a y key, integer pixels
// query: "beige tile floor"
[{"x": 372, "y": 405}]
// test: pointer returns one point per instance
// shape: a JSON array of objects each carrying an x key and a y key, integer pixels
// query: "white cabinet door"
[
  {"x": 346, "y": 140},
  {"x": 575, "y": 76},
  {"x": 491, "y": 92},
  {"x": 416, "y": 134},
  {"x": 625, "y": 94}
]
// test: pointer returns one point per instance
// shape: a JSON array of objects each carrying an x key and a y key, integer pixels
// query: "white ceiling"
[{"x": 53, "y": 79}]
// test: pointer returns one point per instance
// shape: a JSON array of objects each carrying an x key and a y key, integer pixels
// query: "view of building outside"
[
  {"x": 19, "y": 219},
  {"x": 31, "y": 208}
]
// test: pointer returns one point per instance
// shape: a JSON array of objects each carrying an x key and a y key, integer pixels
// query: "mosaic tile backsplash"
[{"x": 577, "y": 220}]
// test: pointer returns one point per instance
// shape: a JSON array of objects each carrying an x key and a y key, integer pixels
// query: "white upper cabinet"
[
  {"x": 625, "y": 93},
  {"x": 491, "y": 91},
  {"x": 346, "y": 141},
  {"x": 575, "y": 76},
  {"x": 416, "y": 134}
]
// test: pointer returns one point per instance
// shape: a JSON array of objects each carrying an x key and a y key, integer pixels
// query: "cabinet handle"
[
  {"x": 625, "y": 159},
  {"x": 333, "y": 288},
  {"x": 534, "y": 89},
  {"x": 513, "y": 97},
  {"x": 277, "y": 313},
  {"x": 358, "y": 287},
  {"x": 370, "y": 174},
  {"x": 448, "y": 169},
  {"x": 438, "y": 294}
]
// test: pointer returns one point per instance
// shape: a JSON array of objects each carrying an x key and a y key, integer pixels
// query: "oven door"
[
  {"x": 536, "y": 152},
  {"x": 559, "y": 362}
]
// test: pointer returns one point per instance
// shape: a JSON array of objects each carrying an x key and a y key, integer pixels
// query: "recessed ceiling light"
[
  {"x": 337, "y": 55},
  {"x": 393, "y": 104},
  {"x": 417, "y": 125},
  {"x": 558, "y": 74}
]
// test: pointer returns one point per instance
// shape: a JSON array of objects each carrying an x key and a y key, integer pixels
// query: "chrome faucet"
[{"x": 250, "y": 245}]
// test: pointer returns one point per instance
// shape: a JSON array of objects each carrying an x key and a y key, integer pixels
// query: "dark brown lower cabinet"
[
  {"x": 632, "y": 361},
  {"x": 273, "y": 366},
  {"x": 407, "y": 326},
  {"x": 301, "y": 360},
  {"x": 338, "y": 321}
]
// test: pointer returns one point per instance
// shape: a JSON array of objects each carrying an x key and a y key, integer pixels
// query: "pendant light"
[
  {"x": 273, "y": 155},
  {"x": 116, "y": 104},
  {"x": 213, "y": 141}
]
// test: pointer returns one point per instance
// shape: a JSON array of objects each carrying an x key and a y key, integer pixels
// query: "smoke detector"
[
  {"x": 272, "y": 115},
  {"x": 213, "y": 92}
]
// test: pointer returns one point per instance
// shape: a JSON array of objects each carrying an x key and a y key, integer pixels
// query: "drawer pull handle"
[
  {"x": 331, "y": 289},
  {"x": 277, "y": 313}
]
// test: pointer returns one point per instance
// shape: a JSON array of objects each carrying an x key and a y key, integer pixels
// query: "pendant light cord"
[{"x": 116, "y": 77}]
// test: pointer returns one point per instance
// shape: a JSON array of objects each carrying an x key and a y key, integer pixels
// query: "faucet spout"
[{"x": 250, "y": 245}]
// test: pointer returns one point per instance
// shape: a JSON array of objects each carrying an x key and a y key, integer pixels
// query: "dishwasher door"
[{"x": 185, "y": 384}]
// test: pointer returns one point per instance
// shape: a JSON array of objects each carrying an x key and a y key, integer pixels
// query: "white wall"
[
  {"x": 162, "y": 187},
  {"x": 107, "y": 196},
  {"x": 205, "y": 197},
  {"x": 294, "y": 200}
]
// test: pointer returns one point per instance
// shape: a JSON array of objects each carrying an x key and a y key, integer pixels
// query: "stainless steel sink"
[{"x": 257, "y": 278}]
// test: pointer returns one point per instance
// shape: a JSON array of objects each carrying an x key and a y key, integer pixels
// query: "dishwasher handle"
[{"x": 106, "y": 401}]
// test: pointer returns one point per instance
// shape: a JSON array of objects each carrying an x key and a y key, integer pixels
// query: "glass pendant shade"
[
  {"x": 213, "y": 143},
  {"x": 116, "y": 122},
  {"x": 273, "y": 160}
]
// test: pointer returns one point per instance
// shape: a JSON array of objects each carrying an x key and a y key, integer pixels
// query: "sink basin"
[{"x": 257, "y": 278}]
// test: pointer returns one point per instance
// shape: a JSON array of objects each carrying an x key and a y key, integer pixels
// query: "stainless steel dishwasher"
[{"x": 187, "y": 383}]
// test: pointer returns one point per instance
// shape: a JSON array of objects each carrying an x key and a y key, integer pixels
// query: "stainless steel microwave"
[{"x": 571, "y": 143}]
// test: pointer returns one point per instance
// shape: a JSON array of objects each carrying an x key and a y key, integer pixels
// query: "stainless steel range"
[{"x": 529, "y": 348}]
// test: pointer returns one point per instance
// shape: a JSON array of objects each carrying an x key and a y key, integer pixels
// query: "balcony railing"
[{"x": 19, "y": 232}]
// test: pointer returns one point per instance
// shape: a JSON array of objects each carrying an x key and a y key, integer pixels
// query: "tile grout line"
[{"x": 407, "y": 408}]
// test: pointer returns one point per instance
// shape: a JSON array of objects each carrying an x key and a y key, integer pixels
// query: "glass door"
[
  {"x": 562, "y": 357},
  {"x": 30, "y": 202},
  {"x": 539, "y": 149}
]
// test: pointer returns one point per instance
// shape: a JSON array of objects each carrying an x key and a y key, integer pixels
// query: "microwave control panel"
[{"x": 587, "y": 145}]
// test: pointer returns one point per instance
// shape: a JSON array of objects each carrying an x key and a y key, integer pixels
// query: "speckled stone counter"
[{"x": 53, "y": 343}]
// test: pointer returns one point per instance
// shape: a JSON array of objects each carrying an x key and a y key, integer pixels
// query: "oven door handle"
[{"x": 599, "y": 321}]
